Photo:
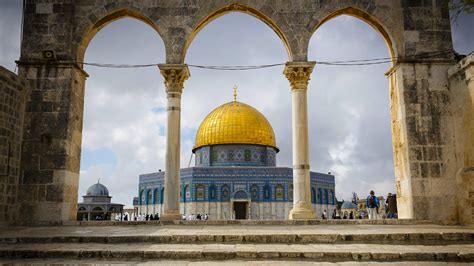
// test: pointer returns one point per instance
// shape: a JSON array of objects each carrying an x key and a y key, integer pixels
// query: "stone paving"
[
  {"x": 214, "y": 242},
  {"x": 203, "y": 229},
  {"x": 228, "y": 262}
]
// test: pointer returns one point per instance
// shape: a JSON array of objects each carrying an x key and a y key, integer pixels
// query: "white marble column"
[
  {"x": 298, "y": 73},
  {"x": 175, "y": 75}
]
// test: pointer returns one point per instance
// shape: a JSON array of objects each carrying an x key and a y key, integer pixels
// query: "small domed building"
[
  {"x": 347, "y": 207},
  {"x": 97, "y": 203},
  {"x": 235, "y": 174}
]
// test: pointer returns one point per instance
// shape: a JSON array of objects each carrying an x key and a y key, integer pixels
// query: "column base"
[
  {"x": 302, "y": 211},
  {"x": 170, "y": 216}
]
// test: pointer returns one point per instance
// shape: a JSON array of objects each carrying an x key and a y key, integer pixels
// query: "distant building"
[
  {"x": 235, "y": 173},
  {"x": 97, "y": 205},
  {"x": 347, "y": 207}
]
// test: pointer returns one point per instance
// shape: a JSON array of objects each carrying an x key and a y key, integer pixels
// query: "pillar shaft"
[
  {"x": 298, "y": 73},
  {"x": 174, "y": 75}
]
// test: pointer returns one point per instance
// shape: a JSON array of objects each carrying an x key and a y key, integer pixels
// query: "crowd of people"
[
  {"x": 192, "y": 217},
  {"x": 372, "y": 209}
]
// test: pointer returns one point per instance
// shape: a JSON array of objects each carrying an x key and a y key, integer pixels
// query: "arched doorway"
[{"x": 240, "y": 205}]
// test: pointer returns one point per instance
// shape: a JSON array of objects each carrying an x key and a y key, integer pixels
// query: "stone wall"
[
  {"x": 461, "y": 84},
  {"x": 13, "y": 93}
]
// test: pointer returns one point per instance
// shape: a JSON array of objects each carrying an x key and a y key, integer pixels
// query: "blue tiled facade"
[{"x": 220, "y": 184}]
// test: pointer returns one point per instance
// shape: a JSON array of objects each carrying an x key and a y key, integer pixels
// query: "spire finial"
[
  {"x": 235, "y": 93},
  {"x": 98, "y": 180}
]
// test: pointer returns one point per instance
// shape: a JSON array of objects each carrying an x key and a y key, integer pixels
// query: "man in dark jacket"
[{"x": 392, "y": 206}]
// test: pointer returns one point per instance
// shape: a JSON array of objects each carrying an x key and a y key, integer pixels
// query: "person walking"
[{"x": 372, "y": 205}]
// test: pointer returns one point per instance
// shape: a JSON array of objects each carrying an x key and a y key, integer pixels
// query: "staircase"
[{"x": 284, "y": 242}]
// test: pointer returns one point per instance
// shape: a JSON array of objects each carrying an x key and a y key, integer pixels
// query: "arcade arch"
[
  {"x": 350, "y": 116},
  {"x": 119, "y": 128}
]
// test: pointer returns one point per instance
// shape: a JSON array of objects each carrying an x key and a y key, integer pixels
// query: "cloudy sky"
[{"x": 125, "y": 120}]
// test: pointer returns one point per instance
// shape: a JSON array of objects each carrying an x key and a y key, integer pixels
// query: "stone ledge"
[
  {"x": 317, "y": 252},
  {"x": 445, "y": 238},
  {"x": 238, "y": 222}
]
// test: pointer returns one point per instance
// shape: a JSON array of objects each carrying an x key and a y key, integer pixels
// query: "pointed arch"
[
  {"x": 103, "y": 19},
  {"x": 367, "y": 18},
  {"x": 237, "y": 7}
]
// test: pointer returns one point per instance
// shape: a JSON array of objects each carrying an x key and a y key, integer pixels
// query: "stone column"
[
  {"x": 298, "y": 73},
  {"x": 175, "y": 75}
]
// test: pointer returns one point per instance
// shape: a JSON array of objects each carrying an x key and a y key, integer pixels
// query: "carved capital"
[
  {"x": 175, "y": 75},
  {"x": 298, "y": 73}
]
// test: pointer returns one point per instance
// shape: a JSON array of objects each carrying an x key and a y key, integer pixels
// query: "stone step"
[
  {"x": 108, "y": 262},
  {"x": 445, "y": 238},
  {"x": 288, "y": 252}
]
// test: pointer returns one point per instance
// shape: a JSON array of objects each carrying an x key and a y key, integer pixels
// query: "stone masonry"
[
  {"x": 13, "y": 93},
  {"x": 426, "y": 139},
  {"x": 461, "y": 83}
]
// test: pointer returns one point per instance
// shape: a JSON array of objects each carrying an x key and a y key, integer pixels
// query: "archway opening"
[
  {"x": 232, "y": 39},
  {"x": 124, "y": 116},
  {"x": 349, "y": 108}
]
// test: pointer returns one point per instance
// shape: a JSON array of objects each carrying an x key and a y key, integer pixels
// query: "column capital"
[
  {"x": 298, "y": 73},
  {"x": 175, "y": 75}
]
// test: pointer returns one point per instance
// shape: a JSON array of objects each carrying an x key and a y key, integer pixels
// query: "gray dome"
[
  {"x": 348, "y": 205},
  {"x": 97, "y": 190}
]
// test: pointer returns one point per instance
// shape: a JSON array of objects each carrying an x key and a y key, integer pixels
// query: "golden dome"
[{"x": 235, "y": 123}]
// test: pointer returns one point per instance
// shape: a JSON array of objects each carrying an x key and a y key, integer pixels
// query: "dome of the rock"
[{"x": 235, "y": 123}]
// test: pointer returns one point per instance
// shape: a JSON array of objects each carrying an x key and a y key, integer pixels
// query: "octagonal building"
[{"x": 235, "y": 174}]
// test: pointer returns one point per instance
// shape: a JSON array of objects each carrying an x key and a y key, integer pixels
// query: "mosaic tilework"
[
  {"x": 235, "y": 155},
  {"x": 219, "y": 184}
]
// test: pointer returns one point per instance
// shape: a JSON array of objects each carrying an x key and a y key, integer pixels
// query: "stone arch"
[
  {"x": 240, "y": 194},
  {"x": 140, "y": 197},
  {"x": 155, "y": 196},
  {"x": 162, "y": 195},
  {"x": 103, "y": 18},
  {"x": 149, "y": 196},
  {"x": 368, "y": 18},
  {"x": 97, "y": 209},
  {"x": 236, "y": 7}
]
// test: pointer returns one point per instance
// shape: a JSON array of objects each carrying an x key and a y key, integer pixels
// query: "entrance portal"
[{"x": 240, "y": 210}]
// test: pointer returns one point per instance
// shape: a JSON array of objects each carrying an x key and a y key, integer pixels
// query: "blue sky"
[{"x": 125, "y": 120}]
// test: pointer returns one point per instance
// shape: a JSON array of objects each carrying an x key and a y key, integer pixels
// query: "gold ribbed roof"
[{"x": 235, "y": 123}]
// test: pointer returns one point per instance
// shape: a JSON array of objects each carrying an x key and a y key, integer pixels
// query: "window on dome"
[
  {"x": 266, "y": 192},
  {"x": 225, "y": 193},
  {"x": 212, "y": 192},
  {"x": 290, "y": 193},
  {"x": 187, "y": 193},
  {"x": 162, "y": 196},
  {"x": 247, "y": 155},
  {"x": 199, "y": 192},
  {"x": 320, "y": 196},
  {"x": 279, "y": 192},
  {"x": 254, "y": 193}
]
